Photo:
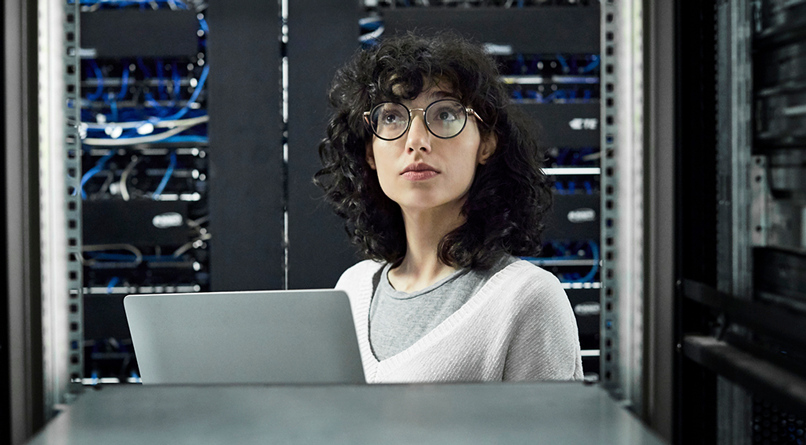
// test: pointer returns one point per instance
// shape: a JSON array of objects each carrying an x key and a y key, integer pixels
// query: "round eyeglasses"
[{"x": 445, "y": 118}]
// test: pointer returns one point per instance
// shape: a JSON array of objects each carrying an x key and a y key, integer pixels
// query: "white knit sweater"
[{"x": 519, "y": 326}]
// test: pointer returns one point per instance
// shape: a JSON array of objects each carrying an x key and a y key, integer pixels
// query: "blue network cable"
[
  {"x": 124, "y": 81},
  {"x": 128, "y": 258},
  {"x": 157, "y": 113},
  {"x": 165, "y": 178},
  {"x": 592, "y": 274},
  {"x": 203, "y": 25},
  {"x": 160, "y": 81},
  {"x": 367, "y": 23},
  {"x": 592, "y": 65},
  {"x": 99, "y": 91},
  {"x": 112, "y": 283},
  {"x": 114, "y": 107},
  {"x": 188, "y": 138},
  {"x": 563, "y": 62},
  {"x": 194, "y": 96},
  {"x": 94, "y": 170},
  {"x": 147, "y": 74},
  {"x": 123, "y": 3},
  {"x": 177, "y": 83}
]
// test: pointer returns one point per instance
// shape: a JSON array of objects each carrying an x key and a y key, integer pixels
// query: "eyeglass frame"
[{"x": 467, "y": 110}]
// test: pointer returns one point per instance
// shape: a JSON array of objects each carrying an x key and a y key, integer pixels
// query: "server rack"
[
  {"x": 741, "y": 374},
  {"x": 553, "y": 75},
  {"x": 167, "y": 210},
  {"x": 145, "y": 164},
  {"x": 142, "y": 200},
  {"x": 309, "y": 244}
]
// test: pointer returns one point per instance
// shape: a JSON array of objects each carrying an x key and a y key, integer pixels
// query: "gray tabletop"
[{"x": 533, "y": 413}]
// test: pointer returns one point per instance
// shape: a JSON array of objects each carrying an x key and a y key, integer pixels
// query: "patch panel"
[
  {"x": 159, "y": 174},
  {"x": 562, "y": 68}
]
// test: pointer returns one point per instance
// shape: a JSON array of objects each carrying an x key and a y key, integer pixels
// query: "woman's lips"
[
  {"x": 419, "y": 175},
  {"x": 419, "y": 171}
]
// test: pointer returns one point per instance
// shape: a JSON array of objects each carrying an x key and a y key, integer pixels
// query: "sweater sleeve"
[{"x": 544, "y": 342}]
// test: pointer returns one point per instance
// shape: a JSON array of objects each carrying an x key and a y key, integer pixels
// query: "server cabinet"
[
  {"x": 741, "y": 374},
  {"x": 181, "y": 185}
]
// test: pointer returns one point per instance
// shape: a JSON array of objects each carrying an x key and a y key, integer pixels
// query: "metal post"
[
  {"x": 659, "y": 214},
  {"x": 734, "y": 274},
  {"x": 22, "y": 235},
  {"x": 59, "y": 66},
  {"x": 623, "y": 200}
]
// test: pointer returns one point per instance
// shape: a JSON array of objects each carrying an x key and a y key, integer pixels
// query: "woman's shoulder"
[
  {"x": 524, "y": 273},
  {"x": 526, "y": 283},
  {"x": 358, "y": 271}
]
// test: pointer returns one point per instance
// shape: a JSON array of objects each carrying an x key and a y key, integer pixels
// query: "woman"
[{"x": 441, "y": 189}]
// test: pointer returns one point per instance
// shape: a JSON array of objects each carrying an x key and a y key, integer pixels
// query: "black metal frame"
[
  {"x": 717, "y": 334},
  {"x": 786, "y": 388},
  {"x": 322, "y": 36},
  {"x": 545, "y": 29},
  {"x": 5, "y": 387},
  {"x": 761, "y": 318},
  {"x": 695, "y": 395},
  {"x": 246, "y": 170}
]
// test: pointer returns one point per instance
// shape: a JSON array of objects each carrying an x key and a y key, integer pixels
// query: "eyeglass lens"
[{"x": 444, "y": 118}]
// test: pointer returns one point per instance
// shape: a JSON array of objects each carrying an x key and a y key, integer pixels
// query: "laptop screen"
[{"x": 275, "y": 337}]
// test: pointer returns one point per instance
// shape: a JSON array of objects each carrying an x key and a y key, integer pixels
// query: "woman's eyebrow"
[{"x": 440, "y": 94}]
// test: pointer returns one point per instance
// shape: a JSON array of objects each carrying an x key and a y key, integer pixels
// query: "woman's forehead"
[
  {"x": 430, "y": 88},
  {"x": 405, "y": 87}
]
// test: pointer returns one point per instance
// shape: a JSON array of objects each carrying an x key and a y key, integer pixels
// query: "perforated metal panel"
[
  {"x": 60, "y": 208},
  {"x": 622, "y": 201},
  {"x": 72, "y": 175},
  {"x": 609, "y": 220},
  {"x": 772, "y": 425}
]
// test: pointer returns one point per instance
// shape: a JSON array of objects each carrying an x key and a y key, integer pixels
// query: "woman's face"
[{"x": 420, "y": 171}]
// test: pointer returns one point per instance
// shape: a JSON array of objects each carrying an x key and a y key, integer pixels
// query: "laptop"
[{"x": 268, "y": 337}]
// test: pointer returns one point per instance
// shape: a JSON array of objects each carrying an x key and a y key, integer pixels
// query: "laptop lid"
[{"x": 298, "y": 336}]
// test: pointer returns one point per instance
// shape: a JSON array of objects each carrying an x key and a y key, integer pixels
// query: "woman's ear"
[
  {"x": 370, "y": 156},
  {"x": 487, "y": 147}
]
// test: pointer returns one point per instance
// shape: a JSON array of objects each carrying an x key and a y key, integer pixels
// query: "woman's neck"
[{"x": 421, "y": 266}]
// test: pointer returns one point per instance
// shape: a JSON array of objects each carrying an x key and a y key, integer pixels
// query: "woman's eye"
[
  {"x": 390, "y": 118},
  {"x": 446, "y": 115}
]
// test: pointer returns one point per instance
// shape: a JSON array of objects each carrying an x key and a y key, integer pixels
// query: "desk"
[{"x": 555, "y": 413}]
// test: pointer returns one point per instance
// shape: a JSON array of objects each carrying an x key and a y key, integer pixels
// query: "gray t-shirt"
[{"x": 398, "y": 319}]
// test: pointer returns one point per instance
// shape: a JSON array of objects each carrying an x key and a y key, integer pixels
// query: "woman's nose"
[{"x": 419, "y": 137}]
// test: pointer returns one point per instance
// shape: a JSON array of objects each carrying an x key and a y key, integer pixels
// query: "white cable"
[
  {"x": 184, "y": 248},
  {"x": 198, "y": 222},
  {"x": 124, "y": 189},
  {"x": 373, "y": 35},
  {"x": 138, "y": 255},
  {"x": 133, "y": 141},
  {"x": 159, "y": 124}
]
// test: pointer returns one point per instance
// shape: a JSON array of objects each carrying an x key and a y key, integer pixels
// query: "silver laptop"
[{"x": 276, "y": 337}]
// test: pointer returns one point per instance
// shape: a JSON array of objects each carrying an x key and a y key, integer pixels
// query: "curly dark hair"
[{"x": 509, "y": 196}]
